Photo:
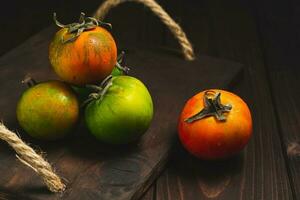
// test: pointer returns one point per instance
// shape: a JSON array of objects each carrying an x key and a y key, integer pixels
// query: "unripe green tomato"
[
  {"x": 123, "y": 114},
  {"x": 48, "y": 110}
]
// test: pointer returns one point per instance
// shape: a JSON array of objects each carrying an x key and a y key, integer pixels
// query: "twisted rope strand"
[
  {"x": 30, "y": 158},
  {"x": 176, "y": 30}
]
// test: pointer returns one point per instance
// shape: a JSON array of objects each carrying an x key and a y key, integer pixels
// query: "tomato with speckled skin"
[
  {"x": 209, "y": 138},
  {"x": 48, "y": 110},
  {"x": 88, "y": 59},
  {"x": 123, "y": 114}
]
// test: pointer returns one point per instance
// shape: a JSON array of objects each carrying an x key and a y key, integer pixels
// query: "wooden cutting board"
[{"x": 94, "y": 170}]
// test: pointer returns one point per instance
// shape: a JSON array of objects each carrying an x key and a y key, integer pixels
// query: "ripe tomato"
[
  {"x": 215, "y": 124},
  {"x": 83, "y": 55},
  {"x": 48, "y": 110},
  {"x": 121, "y": 112}
]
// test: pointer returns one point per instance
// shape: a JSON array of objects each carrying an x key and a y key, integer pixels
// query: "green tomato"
[
  {"x": 48, "y": 110},
  {"x": 123, "y": 114}
]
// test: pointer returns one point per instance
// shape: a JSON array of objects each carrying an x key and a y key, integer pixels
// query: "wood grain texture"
[
  {"x": 279, "y": 32},
  {"x": 285, "y": 88},
  {"x": 220, "y": 30},
  {"x": 94, "y": 170},
  {"x": 260, "y": 172}
]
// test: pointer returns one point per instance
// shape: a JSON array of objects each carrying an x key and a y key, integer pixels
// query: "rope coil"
[
  {"x": 30, "y": 158},
  {"x": 176, "y": 30}
]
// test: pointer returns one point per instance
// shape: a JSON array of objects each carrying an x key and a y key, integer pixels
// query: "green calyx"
[
  {"x": 84, "y": 24},
  {"x": 212, "y": 107},
  {"x": 100, "y": 91}
]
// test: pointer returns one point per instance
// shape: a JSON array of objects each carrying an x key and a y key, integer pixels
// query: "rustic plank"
[
  {"x": 285, "y": 88},
  {"x": 95, "y": 170},
  {"x": 260, "y": 171},
  {"x": 279, "y": 31},
  {"x": 150, "y": 194}
]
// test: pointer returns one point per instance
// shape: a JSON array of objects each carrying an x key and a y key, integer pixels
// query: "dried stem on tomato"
[
  {"x": 212, "y": 107},
  {"x": 29, "y": 81},
  {"x": 100, "y": 91},
  {"x": 83, "y": 24},
  {"x": 124, "y": 69}
]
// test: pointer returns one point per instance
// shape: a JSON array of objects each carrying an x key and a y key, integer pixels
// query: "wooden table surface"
[{"x": 266, "y": 39}]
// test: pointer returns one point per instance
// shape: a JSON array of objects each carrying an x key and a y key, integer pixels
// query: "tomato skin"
[
  {"x": 48, "y": 110},
  {"x": 211, "y": 139},
  {"x": 124, "y": 113},
  {"x": 88, "y": 59}
]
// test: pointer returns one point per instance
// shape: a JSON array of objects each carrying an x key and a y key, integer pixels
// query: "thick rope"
[
  {"x": 30, "y": 158},
  {"x": 186, "y": 46}
]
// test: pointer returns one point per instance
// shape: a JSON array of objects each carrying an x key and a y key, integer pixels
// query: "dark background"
[
  {"x": 264, "y": 35},
  {"x": 277, "y": 22}
]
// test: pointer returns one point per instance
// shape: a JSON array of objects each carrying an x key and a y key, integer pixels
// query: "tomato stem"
[
  {"x": 212, "y": 107},
  {"x": 120, "y": 59},
  {"x": 95, "y": 88},
  {"x": 100, "y": 90},
  {"x": 83, "y": 24},
  {"x": 124, "y": 69},
  {"x": 29, "y": 81}
]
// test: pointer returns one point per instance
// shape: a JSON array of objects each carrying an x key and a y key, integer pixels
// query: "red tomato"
[{"x": 215, "y": 124}]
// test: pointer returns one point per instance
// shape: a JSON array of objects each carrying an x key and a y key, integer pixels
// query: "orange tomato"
[
  {"x": 210, "y": 135},
  {"x": 88, "y": 59},
  {"x": 48, "y": 110}
]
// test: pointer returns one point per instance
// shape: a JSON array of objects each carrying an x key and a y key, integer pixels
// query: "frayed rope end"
[
  {"x": 293, "y": 149},
  {"x": 30, "y": 158}
]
